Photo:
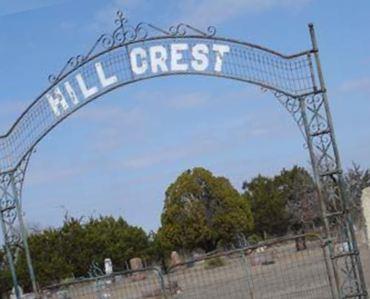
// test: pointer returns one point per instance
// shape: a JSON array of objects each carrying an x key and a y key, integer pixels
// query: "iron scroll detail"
[{"x": 126, "y": 33}]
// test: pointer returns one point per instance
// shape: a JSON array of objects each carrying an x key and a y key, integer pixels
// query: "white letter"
[
  {"x": 220, "y": 51},
  {"x": 200, "y": 55},
  {"x": 138, "y": 70},
  {"x": 104, "y": 80},
  {"x": 56, "y": 100},
  {"x": 158, "y": 60},
  {"x": 71, "y": 93},
  {"x": 176, "y": 55},
  {"x": 85, "y": 91}
]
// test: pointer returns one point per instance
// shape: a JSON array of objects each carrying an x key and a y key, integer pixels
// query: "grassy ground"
[{"x": 278, "y": 272}]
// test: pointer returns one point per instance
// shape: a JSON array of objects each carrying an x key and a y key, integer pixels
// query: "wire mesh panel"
[
  {"x": 275, "y": 270},
  {"x": 221, "y": 276},
  {"x": 116, "y": 61},
  {"x": 130, "y": 285},
  {"x": 280, "y": 271}
]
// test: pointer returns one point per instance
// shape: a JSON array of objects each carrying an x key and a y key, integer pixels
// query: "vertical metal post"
[
  {"x": 248, "y": 270},
  {"x": 24, "y": 234},
  {"x": 162, "y": 283},
  {"x": 333, "y": 287},
  {"x": 348, "y": 224},
  {"x": 9, "y": 257}
]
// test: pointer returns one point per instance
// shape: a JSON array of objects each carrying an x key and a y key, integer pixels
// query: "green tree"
[
  {"x": 159, "y": 251},
  {"x": 203, "y": 211},
  {"x": 302, "y": 202},
  {"x": 69, "y": 251},
  {"x": 268, "y": 205},
  {"x": 285, "y": 203},
  {"x": 5, "y": 277}
]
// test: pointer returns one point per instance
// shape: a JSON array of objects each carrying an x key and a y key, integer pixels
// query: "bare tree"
[{"x": 356, "y": 180}]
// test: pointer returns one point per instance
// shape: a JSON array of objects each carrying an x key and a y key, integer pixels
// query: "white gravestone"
[
  {"x": 365, "y": 199},
  {"x": 108, "y": 267}
]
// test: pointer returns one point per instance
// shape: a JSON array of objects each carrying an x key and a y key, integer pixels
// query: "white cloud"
[
  {"x": 171, "y": 154},
  {"x": 359, "y": 85},
  {"x": 207, "y": 140},
  {"x": 197, "y": 12},
  {"x": 116, "y": 125},
  {"x": 190, "y": 100},
  {"x": 18, "y": 6},
  {"x": 40, "y": 176},
  {"x": 180, "y": 100},
  {"x": 68, "y": 26},
  {"x": 111, "y": 115},
  {"x": 218, "y": 11}
]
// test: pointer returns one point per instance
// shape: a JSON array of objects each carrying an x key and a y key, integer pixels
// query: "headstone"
[
  {"x": 136, "y": 265},
  {"x": 365, "y": 199},
  {"x": 175, "y": 259},
  {"x": 108, "y": 266}
]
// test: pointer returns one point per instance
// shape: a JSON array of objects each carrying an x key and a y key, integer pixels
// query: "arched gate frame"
[{"x": 135, "y": 53}]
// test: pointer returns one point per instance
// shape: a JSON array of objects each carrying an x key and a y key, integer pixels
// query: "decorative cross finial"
[
  {"x": 126, "y": 33},
  {"x": 120, "y": 18}
]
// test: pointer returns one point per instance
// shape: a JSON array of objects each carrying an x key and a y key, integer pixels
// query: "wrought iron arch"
[{"x": 126, "y": 56}]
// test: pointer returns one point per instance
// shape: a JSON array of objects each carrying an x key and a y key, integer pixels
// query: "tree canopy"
[
  {"x": 268, "y": 206},
  {"x": 203, "y": 211},
  {"x": 283, "y": 203},
  {"x": 69, "y": 251},
  {"x": 302, "y": 203}
]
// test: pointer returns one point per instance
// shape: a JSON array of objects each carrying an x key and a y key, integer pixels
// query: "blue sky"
[{"x": 118, "y": 154}]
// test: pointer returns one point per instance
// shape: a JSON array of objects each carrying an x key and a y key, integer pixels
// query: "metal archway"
[{"x": 131, "y": 54}]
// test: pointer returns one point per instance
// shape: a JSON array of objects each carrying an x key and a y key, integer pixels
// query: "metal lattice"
[
  {"x": 296, "y": 81},
  {"x": 11, "y": 185}
]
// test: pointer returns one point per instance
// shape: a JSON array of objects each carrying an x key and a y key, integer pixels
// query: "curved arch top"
[{"x": 131, "y": 55}]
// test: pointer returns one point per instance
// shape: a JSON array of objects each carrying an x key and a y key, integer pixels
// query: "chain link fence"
[
  {"x": 276, "y": 269},
  {"x": 146, "y": 283}
]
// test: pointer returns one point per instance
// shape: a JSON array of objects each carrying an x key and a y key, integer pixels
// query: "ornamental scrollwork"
[{"x": 125, "y": 34}]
